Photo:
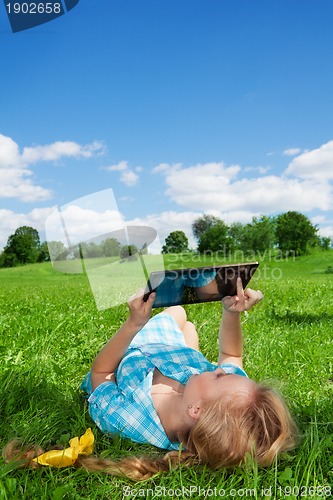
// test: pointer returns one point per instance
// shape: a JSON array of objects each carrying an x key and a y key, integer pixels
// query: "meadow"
[{"x": 50, "y": 331}]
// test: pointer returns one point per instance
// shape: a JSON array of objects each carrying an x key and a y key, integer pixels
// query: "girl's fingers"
[
  {"x": 240, "y": 297},
  {"x": 152, "y": 296},
  {"x": 240, "y": 289},
  {"x": 253, "y": 296}
]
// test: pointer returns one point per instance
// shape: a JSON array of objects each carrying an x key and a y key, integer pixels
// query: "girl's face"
[{"x": 212, "y": 385}]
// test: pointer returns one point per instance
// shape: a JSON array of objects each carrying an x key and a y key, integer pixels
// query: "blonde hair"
[
  {"x": 224, "y": 435},
  {"x": 228, "y": 432}
]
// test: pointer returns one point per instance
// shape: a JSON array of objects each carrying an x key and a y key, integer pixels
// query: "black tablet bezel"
[{"x": 225, "y": 275}]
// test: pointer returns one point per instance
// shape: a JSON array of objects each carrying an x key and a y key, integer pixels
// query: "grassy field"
[{"x": 50, "y": 331}]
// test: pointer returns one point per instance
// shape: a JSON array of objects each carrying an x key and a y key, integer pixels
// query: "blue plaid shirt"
[{"x": 125, "y": 407}]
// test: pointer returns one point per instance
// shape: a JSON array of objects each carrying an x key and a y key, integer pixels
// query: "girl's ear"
[{"x": 194, "y": 411}]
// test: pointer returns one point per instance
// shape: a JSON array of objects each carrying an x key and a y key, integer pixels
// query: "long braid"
[{"x": 135, "y": 468}]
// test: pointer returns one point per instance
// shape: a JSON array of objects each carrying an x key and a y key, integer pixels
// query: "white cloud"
[
  {"x": 213, "y": 186},
  {"x": 318, "y": 219},
  {"x": 14, "y": 171},
  {"x": 315, "y": 164},
  {"x": 166, "y": 222},
  {"x": 58, "y": 150},
  {"x": 326, "y": 231},
  {"x": 166, "y": 167},
  {"x": 10, "y": 221},
  {"x": 198, "y": 181},
  {"x": 14, "y": 184},
  {"x": 81, "y": 224},
  {"x": 119, "y": 167},
  {"x": 128, "y": 177},
  {"x": 291, "y": 151},
  {"x": 9, "y": 153}
]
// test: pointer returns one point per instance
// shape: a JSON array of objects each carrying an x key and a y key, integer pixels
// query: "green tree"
[
  {"x": 295, "y": 233},
  {"x": 111, "y": 247},
  {"x": 259, "y": 236},
  {"x": 176, "y": 242},
  {"x": 44, "y": 255},
  {"x": 91, "y": 250},
  {"x": 22, "y": 247},
  {"x": 236, "y": 235},
  {"x": 201, "y": 224},
  {"x": 215, "y": 239},
  {"x": 57, "y": 250},
  {"x": 129, "y": 252},
  {"x": 325, "y": 242}
]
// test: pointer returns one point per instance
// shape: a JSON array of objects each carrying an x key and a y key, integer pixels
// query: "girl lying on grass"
[{"x": 151, "y": 384}]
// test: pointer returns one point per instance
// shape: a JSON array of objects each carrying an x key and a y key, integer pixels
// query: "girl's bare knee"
[
  {"x": 191, "y": 335},
  {"x": 178, "y": 313}
]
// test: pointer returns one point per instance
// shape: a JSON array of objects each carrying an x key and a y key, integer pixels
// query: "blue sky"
[{"x": 182, "y": 107}]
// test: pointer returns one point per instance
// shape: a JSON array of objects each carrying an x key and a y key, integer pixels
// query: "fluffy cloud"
[
  {"x": 84, "y": 224},
  {"x": 15, "y": 176},
  {"x": 14, "y": 184},
  {"x": 10, "y": 221},
  {"x": 213, "y": 186},
  {"x": 10, "y": 155},
  {"x": 119, "y": 167},
  {"x": 315, "y": 164},
  {"x": 81, "y": 224},
  {"x": 128, "y": 176},
  {"x": 166, "y": 222},
  {"x": 326, "y": 231},
  {"x": 58, "y": 150},
  {"x": 291, "y": 151}
]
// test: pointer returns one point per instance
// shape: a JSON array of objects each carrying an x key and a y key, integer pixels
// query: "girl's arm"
[
  {"x": 112, "y": 353},
  {"x": 230, "y": 335}
]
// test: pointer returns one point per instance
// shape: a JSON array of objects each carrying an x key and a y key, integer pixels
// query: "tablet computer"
[{"x": 197, "y": 284}]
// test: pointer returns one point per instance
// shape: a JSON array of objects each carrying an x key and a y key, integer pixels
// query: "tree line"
[
  {"x": 288, "y": 233},
  {"x": 25, "y": 247}
]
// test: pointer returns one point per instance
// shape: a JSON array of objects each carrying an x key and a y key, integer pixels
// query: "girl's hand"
[
  {"x": 244, "y": 300},
  {"x": 140, "y": 311}
]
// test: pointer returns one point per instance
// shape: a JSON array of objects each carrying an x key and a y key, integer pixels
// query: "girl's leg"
[
  {"x": 190, "y": 334},
  {"x": 178, "y": 313}
]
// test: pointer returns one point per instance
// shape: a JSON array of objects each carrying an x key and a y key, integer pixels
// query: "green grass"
[{"x": 50, "y": 331}]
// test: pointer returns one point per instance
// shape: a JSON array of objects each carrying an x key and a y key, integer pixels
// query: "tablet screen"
[{"x": 197, "y": 284}]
